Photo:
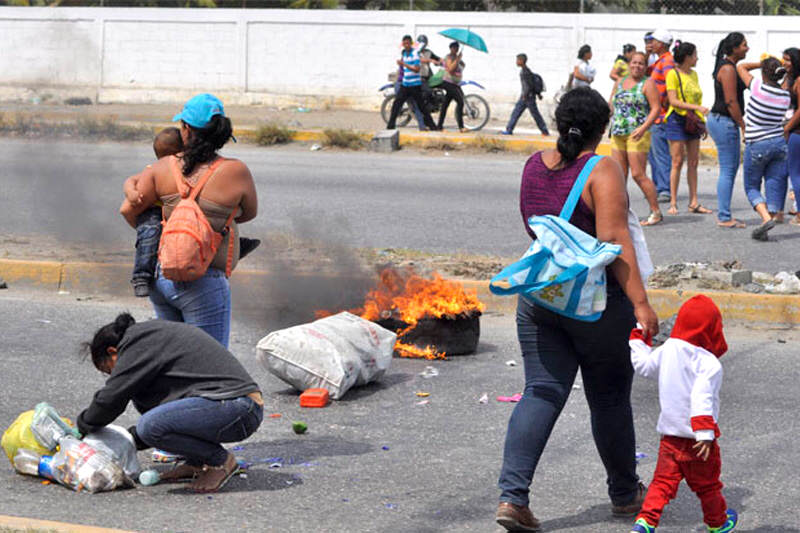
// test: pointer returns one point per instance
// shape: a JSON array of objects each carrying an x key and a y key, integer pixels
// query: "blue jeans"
[
  {"x": 553, "y": 349},
  {"x": 766, "y": 160},
  {"x": 413, "y": 106},
  {"x": 660, "y": 159},
  {"x": 195, "y": 427},
  {"x": 725, "y": 133},
  {"x": 148, "y": 234},
  {"x": 520, "y": 107},
  {"x": 205, "y": 303},
  {"x": 794, "y": 165}
]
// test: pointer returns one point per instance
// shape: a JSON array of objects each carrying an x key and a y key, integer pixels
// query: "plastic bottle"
[
  {"x": 48, "y": 428},
  {"x": 31, "y": 463},
  {"x": 149, "y": 477}
]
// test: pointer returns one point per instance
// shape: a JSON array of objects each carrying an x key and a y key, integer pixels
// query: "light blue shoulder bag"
[{"x": 564, "y": 270}]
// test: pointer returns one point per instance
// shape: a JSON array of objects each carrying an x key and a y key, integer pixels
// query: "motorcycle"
[{"x": 476, "y": 108}]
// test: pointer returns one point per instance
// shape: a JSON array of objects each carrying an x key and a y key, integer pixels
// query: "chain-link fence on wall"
[{"x": 688, "y": 7}]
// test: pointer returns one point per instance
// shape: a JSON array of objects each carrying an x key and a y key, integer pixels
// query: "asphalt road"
[
  {"x": 418, "y": 200},
  {"x": 377, "y": 461}
]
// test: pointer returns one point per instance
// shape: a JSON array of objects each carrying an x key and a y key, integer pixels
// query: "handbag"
[
  {"x": 564, "y": 270},
  {"x": 694, "y": 125}
]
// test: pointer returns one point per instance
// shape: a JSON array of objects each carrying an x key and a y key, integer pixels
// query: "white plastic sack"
[
  {"x": 118, "y": 444},
  {"x": 334, "y": 353}
]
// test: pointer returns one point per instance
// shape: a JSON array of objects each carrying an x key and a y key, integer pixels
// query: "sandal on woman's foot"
[
  {"x": 794, "y": 221},
  {"x": 731, "y": 224},
  {"x": 673, "y": 210},
  {"x": 652, "y": 219},
  {"x": 760, "y": 233},
  {"x": 699, "y": 210},
  {"x": 213, "y": 478},
  {"x": 182, "y": 472}
]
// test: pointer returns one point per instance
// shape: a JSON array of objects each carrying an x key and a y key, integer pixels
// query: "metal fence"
[{"x": 680, "y": 7}]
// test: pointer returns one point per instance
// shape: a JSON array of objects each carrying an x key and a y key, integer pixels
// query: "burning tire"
[{"x": 453, "y": 336}]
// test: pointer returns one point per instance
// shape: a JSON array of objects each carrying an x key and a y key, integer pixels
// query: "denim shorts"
[{"x": 675, "y": 131}]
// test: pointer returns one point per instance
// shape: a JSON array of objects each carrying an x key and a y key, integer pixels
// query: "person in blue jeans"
[
  {"x": 148, "y": 224},
  {"x": 726, "y": 120},
  {"x": 193, "y": 395},
  {"x": 791, "y": 130},
  {"x": 229, "y": 192},
  {"x": 554, "y": 347},
  {"x": 765, "y": 152},
  {"x": 531, "y": 90}
]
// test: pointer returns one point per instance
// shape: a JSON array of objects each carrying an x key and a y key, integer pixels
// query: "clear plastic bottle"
[
  {"x": 31, "y": 463},
  {"x": 48, "y": 428},
  {"x": 27, "y": 462}
]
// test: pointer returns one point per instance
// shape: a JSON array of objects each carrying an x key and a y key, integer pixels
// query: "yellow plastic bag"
[{"x": 19, "y": 435}]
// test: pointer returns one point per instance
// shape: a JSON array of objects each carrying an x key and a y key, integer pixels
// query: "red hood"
[{"x": 699, "y": 322}]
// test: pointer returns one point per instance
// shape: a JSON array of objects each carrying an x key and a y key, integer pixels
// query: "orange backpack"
[{"x": 188, "y": 242}]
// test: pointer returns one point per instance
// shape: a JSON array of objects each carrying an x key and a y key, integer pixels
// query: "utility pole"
[
  {"x": 760, "y": 7},
  {"x": 582, "y": 6},
  {"x": 411, "y": 5}
]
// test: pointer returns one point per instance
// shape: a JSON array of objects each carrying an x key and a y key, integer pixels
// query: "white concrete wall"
[{"x": 316, "y": 57}]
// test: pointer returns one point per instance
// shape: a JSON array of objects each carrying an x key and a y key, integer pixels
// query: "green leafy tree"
[{"x": 314, "y": 4}]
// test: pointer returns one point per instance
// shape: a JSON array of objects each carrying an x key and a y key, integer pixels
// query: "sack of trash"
[
  {"x": 57, "y": 453},
  {"x": 117, "y": 443},
  {"x": 333, "y": 353},
  {"x": 20, "y": 435}
]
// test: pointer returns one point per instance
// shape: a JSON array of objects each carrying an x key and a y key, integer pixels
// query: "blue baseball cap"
[{"x": 199, "y": 110}]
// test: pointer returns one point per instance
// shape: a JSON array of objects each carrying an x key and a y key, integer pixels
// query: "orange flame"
[
  {"x": 409, "y": 350},
  {"x": 408, "y": 297}
]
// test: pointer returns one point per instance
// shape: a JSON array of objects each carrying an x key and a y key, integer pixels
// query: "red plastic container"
[{"x": 314, "y": 398}]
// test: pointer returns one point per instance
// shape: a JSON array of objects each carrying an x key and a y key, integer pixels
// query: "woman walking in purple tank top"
[{"x": 553, "y": 346}]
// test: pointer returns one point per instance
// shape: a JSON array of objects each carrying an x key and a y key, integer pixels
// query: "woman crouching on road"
[{"x": 193, "y": 395}]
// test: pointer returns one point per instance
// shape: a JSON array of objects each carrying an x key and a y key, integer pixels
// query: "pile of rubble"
[{"x": 723, "y": 276}]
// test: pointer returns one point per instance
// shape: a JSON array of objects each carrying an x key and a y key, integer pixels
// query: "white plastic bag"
[
  {"x": 117, "y": 443},
  {"x": 640, "y": 246},
  {"x": 334, "y": 353}
]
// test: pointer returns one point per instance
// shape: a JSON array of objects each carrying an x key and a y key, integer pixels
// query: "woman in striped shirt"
[{"x": 765, "y": 152}]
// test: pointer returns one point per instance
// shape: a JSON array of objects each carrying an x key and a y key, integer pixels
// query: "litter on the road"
[
  {"x": 3, "y": 284},
  {"x": 149, "y": 477},
  {"x": 385, "y": 448},
  {"x": 275, "y": 415},
  {"x": 510, "y": 399},
  {"x": 429, "y": 372},
  {"x": 484, "y": 398},
  {"x": 314, "y": 398},
  {"x": 334, "y": 353},
  {"x": 511, "y": 362},
  {"x": 299, "y": 427},
  {"x": 423, "y": 402},
  {"x": 423, "y": 394},
  {"x": 316, "y": 147}
]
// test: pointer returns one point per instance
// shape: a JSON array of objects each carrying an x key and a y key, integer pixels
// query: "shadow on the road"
[
  {"x": 386, "y": 382},
  {"x": 486, "y": 347},
  {"x": 256, "y": 480},
  {"x": 357, "y": 393}
]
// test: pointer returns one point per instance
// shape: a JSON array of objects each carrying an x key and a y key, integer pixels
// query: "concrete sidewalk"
[
  {"x": 113, "y": 279},
  {"x": 308, "y": 124}
]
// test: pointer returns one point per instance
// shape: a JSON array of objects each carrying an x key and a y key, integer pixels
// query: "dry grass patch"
[
  {"x": 341, "y": 138},
  {"x": 273, "y": 133},
  {"x": 488, "y": 144}
]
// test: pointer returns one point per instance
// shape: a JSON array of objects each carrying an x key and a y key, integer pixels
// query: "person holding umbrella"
[
  {"x": 411, "y": 86},
  {"x": 453, "y": 72}
]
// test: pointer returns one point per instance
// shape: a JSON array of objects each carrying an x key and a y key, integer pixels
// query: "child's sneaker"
[
  {"x": 160, "y": 456},
  {"x": 641, "y": 526},
  {"x": 729, "y": 525}
]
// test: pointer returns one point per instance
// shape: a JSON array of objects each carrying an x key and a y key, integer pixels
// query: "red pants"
[{"x": 676, "y": 461}]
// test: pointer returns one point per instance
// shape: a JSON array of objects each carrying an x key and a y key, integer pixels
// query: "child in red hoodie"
[{"x": 689, "y": 378}]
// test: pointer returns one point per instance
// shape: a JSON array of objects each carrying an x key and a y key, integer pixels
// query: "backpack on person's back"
[
  {"x": 188, "y": 242},
  {"x": 538, "y": 84}
]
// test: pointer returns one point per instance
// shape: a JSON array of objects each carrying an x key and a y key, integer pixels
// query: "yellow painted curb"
[
  {"x": 44, "y": 274},
  {"x": 18, "y": 522},
  {"x": 113, "y": 279}
]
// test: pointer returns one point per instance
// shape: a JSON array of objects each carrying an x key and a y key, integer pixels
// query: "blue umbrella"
[{"x": 466, "y": 37}]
